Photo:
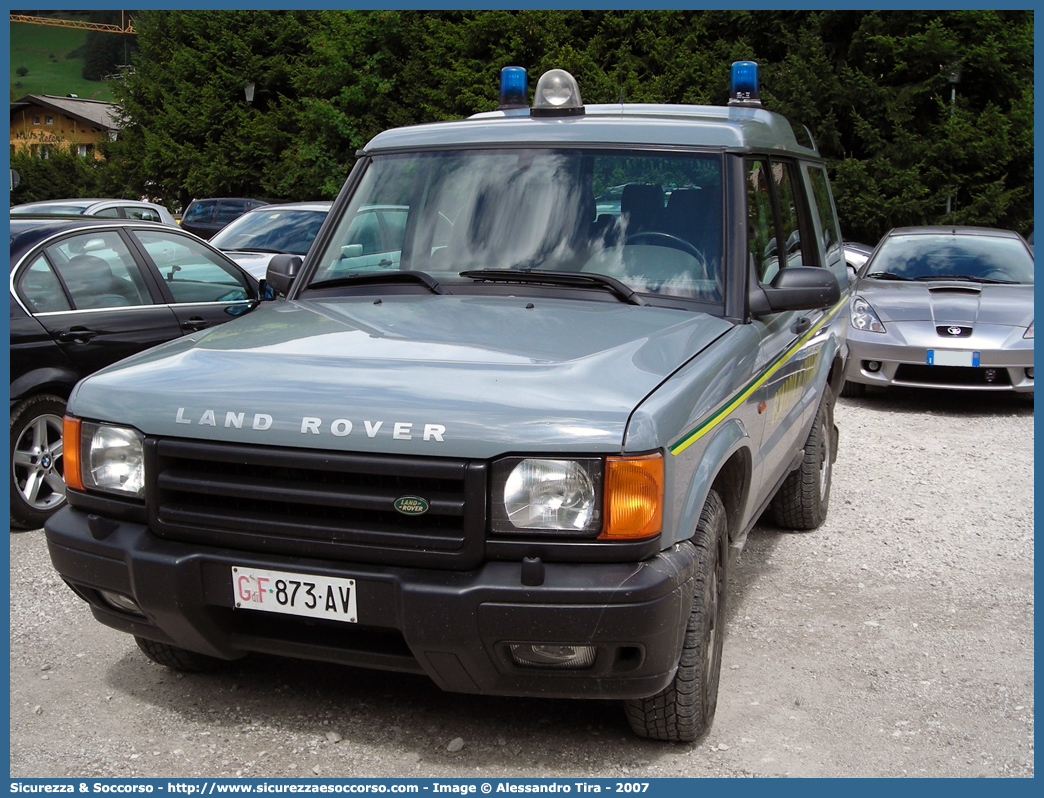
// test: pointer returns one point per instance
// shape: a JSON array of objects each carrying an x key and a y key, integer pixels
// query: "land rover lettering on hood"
[{"x": 507, "y": 436}]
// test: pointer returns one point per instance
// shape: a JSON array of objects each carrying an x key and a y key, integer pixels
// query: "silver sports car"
[{"x": 944, "y": 307}]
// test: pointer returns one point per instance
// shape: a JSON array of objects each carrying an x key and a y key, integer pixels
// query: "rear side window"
[
  {"x": 827, "y": 228},
  {"x": 99, "y": 271},
  {"x": 146, "y": 214},
  {"x": 40, "y": 289}
]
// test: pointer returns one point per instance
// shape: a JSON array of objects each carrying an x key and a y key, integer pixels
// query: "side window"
[
  {"x": 761, "y": 222},
  {"x": 99, "y": 271},
  {"x": 40, "y": 290},
  {"x": 788, "y": 213},
  {"x": 199, "y": 212},
  {"x": 109, "y": 213},
  {"x": 774, "y": 232},
  {"x": 230, "y": 209},
  {"x": 827, "y": 228},
  {"x": 191, "y": 272},
  {"x": 146, "y": 214}
]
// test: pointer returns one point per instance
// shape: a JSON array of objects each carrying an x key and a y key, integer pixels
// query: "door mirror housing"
[
  {"x": 282, "y": 270},
  {"x": 795, "y": 288}
]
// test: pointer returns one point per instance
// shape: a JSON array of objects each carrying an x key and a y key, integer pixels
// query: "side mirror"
[
  {"x": 796, "y": 288},
  {"x": 282, "y": 270}
]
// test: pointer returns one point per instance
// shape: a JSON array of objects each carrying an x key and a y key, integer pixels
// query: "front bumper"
[
  {"x": 900, "y": 363},
  {"x": 456, "y": 627}
]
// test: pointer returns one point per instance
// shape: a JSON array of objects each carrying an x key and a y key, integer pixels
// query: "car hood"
[
  {"x": 950, "y": 302},
  {"x": 438, "y": 375}
]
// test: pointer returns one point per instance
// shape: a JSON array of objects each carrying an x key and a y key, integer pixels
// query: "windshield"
[
  {"x": 986, "y": 258},
  {"x": 650, "y": 220},
  {"x": 289, "y": 231}
]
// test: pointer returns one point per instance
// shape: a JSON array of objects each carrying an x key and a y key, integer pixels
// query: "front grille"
[
  {"x": 950, "y": 375},
  {"x": 318, "y": 504}
]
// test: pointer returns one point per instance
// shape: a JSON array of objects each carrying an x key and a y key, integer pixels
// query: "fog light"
[
  {"x": 552, "y": 655},
  {"x": 121, "y": 602},
  {"x": 1029, "y": 374},
  {"x": 872, "y": 365}
]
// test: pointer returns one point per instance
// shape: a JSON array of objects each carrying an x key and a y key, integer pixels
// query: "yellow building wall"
[{"x": 62, "y": 132}]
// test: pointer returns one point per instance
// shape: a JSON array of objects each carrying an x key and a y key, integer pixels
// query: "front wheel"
[
  {"x": 852, "y": 390},
  {"x": 802, "y": 500},
  {"x": 684, "y": 709},
  {"x": 38, "y": 484}
]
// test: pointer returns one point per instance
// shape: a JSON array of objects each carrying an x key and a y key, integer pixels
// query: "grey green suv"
[{"x": 513, "y": 455}]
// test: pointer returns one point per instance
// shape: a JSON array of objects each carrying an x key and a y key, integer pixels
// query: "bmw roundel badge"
[{"x": 411, "y": 505}]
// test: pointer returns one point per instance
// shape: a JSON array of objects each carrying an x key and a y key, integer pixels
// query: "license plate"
[
  {"x": 950, "y": 357},
  {"x": 295, "y": 594}
]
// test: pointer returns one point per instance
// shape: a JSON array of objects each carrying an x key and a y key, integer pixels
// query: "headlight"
[
  {"x": 619, "y": 498},
  {"x": 864, "y": 317},
  {"x": 1029, "y": 332},
  {"x": 545, "y": 495},
  {"x": 113, "y": 459}
]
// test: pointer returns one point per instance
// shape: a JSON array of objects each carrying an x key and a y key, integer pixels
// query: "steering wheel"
[{"x": 667, "y": 240}]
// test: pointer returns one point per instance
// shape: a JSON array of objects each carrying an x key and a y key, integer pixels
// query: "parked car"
[
  {"x": 204, "y": 217},
  {"x": 257, "y": 235},
  {"x": 944, "y": 307},
  {"x": 107, "y": 208},
  {"x": 84, "y": 294}
]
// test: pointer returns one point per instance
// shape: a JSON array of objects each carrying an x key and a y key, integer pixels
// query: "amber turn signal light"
[
  {"x": 71, "y": 453},
  {"x": 633, "y": 497}
]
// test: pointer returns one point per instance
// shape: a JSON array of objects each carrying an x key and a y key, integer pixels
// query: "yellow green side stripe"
[{"x": 725, "y": 410}]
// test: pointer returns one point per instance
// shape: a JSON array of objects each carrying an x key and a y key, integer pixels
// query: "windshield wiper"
[
  {"x": 965, "y": 278},
  {"x": 257, "y": 249},
  {"x": 887, "y": 276},
  {"x": 570, "y": 279},
  {"x": 382, "y": 278}
]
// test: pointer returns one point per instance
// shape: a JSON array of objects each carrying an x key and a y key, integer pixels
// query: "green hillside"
[{"x": 46, "y": 51}]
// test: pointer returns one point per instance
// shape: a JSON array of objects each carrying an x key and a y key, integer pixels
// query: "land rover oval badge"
[{"x": 411, "y": 505}]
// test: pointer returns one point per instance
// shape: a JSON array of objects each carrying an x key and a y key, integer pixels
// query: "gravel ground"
[{"x": 896, "y": 640}]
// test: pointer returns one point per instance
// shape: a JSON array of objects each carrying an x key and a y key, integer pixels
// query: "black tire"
[
  {"x": 179, "y": 659},
  {"x": 37, "y": 476},
  {"x": 802, "y": 500},
  {"x": 852, "y": 390},
  {"x": 684, "y": 709}
]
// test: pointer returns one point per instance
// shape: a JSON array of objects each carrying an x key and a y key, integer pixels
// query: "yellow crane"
[{"x": 125, "y": 26}]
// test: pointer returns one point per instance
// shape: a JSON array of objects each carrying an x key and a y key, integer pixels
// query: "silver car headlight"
[
  {"x": 547, "y": 495},
  {"x": 864, "y": 317},
  {"x": 1029, "y": 332},
  {"x": 113, "y": 459}
]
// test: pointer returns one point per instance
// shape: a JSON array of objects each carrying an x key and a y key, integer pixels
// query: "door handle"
[
  {"x": 195, "y": 323},
  {"x": 802, "y": 325},
  {"x": 76, "y": 335}
]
